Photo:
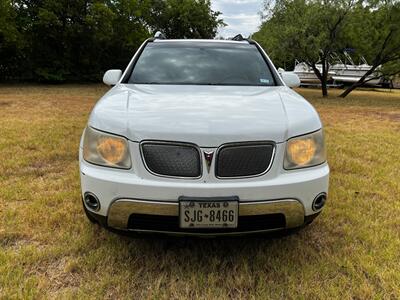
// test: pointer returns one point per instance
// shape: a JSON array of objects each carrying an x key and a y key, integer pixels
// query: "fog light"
[
  {"x": 91, "y": 201},
  {"x": 319, "y": 202}
]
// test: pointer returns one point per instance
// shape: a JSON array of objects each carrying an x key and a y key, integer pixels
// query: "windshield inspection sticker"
[{"x": 262, "y": 80}]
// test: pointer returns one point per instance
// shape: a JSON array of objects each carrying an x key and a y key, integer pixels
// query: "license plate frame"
[{"x": 189, "y": 207}]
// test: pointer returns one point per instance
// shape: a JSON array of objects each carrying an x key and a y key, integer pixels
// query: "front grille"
[
  {"x": 171, "y": 223},
  {"x": 177, "y": 160},
  {"x": 242, "y": 160}
]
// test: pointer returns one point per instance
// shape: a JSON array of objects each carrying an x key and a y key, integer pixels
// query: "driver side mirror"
[
  {"x": 112, "y": 77},
  {"x": 291, "y": 79}
]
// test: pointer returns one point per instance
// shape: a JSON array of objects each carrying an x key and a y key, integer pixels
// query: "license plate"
[{"x": 208, "y": 213}]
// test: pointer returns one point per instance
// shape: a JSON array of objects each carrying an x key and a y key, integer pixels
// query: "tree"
[
  {"x": 374, "y": 31},
  {"x": 78, "y": 40},
  {"x": 63, "y": 40},
  {"x": 10, "y": 40},
  {"x": 307, "y": 30},
  {"x": 183, "y": 18}
]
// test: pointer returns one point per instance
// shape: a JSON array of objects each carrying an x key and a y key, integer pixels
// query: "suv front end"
[{"x": 203, "y": 159}]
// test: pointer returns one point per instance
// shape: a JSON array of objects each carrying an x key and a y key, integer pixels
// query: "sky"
[{"x": 241, "y": 16}]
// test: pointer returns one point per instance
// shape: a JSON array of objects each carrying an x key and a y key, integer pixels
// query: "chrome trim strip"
[
  {"x": 244, "y": 144},
  {"x": 121, "y": 209},
  {"x": 170, "y": 143},
  {"x": 292, "y": 209}
]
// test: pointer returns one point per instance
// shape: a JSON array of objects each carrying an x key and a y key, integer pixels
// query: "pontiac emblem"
[{"x": 208, "y": 155}]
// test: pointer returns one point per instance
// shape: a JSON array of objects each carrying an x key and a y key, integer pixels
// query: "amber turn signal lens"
[
  {"x": 111, "y": 149},
  {"x": 301, "y": 152},
  {"x": 105, "y": 149},
  {"x": 305, "y": 151}
]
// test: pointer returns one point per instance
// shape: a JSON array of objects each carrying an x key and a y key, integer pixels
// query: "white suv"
[{"x": 202, "y": 137}]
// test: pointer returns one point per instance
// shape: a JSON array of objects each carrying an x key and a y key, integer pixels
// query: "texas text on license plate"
[{"x": 211, "y": 213}]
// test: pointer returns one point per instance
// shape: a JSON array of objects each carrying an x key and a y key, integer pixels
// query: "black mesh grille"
[
  {"x": 243, "y": 160},
  {"x": 172, "y": 160},
  {"x": 171, "y": 223}
]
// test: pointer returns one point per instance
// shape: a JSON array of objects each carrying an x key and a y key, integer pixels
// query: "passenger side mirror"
[
  {"x": 290, "y": 79},
  {"x": 112, "y": 77}
]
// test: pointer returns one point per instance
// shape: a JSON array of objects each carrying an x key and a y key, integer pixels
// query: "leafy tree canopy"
[
  {"x": 184, "y": 18},
  {"x": 374, "y": 32},
  {"x": 313, "y": 30},
  {"x": 306, "y": 30},
  {"x": 63, "y": 40}
]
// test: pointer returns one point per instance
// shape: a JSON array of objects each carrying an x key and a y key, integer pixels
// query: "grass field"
[{"x": 48, "y": 249}]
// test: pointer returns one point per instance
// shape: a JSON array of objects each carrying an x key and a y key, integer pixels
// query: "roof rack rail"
[
  {"x": 238, "y": 38},
  {"x": 159, "y": 35}
]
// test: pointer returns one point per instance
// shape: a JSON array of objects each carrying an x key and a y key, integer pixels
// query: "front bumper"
[
  {"x": 121, "y": 210},
  {"x": 123, "y": 194}
]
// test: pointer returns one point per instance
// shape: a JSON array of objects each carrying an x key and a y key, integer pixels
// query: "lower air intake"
[{"x": 171, "y": 223}]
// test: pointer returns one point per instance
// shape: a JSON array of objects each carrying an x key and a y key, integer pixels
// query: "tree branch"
[{"x": 378, "y": 57}]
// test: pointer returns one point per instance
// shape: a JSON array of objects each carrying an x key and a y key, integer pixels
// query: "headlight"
[
  {"x": 105, "y": 149},
  {"x": 305, "y": 151}
]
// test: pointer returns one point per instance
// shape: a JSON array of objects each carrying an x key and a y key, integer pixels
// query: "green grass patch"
[{"x": 49, "y": 250}]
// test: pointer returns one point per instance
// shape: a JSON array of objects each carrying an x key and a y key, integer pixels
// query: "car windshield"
[{"x": 201, "y": 63}]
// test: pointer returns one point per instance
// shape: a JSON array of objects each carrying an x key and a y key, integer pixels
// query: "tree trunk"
[
  {"x": 357, "y": 84},
  {"x": 324, "y": 88},
  {"x": 322, "y": 77}
]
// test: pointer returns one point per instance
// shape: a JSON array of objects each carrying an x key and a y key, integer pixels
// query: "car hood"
[{"x": 205, "y": 115}]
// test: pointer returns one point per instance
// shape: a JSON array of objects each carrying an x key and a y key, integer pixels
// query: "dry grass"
[{"x": 48, "y": 249}]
